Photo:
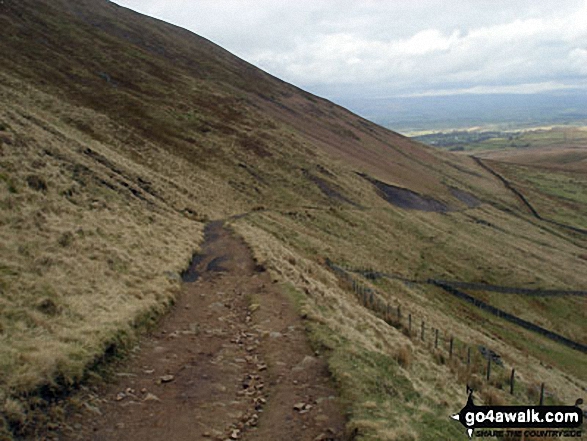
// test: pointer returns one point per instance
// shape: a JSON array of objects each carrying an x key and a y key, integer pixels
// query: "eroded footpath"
[{"x": 230, "y": 362}]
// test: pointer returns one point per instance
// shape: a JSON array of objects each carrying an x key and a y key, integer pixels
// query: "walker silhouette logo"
[{"x": 483, "y": 421}]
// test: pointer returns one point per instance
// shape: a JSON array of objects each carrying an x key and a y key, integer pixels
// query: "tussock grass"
[
  {"x": 403, "y": 356},
  {"x": 84, "y": 263}
]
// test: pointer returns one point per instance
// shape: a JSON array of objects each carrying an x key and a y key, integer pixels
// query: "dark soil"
[
  {"x": 329, "y": 190},
  {"x": 404, "y": 198},
  {"x": 465, "y": 197}
]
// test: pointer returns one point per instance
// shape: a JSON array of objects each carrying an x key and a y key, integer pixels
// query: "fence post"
[
  {"x": 399, "y": 313},
  {"x": 469, "y": 356},
  {"x": 450, "y": 347},
  {"x": 410, "y": 325},
  {"x": 512, "y": 381},
  {"x": 488, "y": 368},
  {"x": 436, "y": 339},
  {"x": 423, "y": 326},
  {"x": 541, "y": 394}
]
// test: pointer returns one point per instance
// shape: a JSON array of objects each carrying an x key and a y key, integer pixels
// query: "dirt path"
[{"x": 230, "y": 362}]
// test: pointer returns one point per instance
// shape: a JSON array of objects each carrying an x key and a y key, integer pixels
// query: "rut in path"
[{"x": 230, "y": 361}]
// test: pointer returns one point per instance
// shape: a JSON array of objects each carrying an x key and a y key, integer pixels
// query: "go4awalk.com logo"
[{"x": 505, "y": 421}]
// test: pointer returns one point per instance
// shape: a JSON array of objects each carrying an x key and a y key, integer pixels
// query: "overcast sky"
[{"x": 377, "y": 48}]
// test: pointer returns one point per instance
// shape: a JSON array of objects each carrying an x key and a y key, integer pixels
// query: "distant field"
[{"x": 521, "y": 142}]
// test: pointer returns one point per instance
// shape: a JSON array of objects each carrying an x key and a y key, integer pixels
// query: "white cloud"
[
  {"x": 578, "y": 59},
  {"x": 377, "y": 48},
  {"x": 517, "y": 89},
  {"x": 426, "y": 42}
]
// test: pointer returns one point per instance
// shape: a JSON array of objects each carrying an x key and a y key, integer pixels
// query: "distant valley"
[{"x": 413, "y": 115}]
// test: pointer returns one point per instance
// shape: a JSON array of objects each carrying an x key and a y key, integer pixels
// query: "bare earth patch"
[
  {"x": 404, "y": 198},
  {"x": 231, "y": 361}
]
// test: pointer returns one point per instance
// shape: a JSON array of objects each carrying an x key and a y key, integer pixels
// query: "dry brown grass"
[
  {"x": 491, "y": 397},
  {"x": 84, "y": 263},
  {"x": 403, "y": 356}
]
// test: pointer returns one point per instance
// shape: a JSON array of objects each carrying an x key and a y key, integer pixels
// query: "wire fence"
[
  {"x": 452, "y": 287},
  {"x": 446, "y": 346}
]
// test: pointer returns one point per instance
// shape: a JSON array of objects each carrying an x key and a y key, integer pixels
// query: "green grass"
[
  {"x": 475, "y": 142},
  {"x": 556, "y": 194},
  {"x": 384, "y": 402}
]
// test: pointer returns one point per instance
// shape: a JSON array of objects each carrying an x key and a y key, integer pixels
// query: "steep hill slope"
[
  {"x": 122, "y": 136},
  {"x": 190, "y": 95}
]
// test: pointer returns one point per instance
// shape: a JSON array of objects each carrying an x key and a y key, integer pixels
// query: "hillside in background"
[
  {"x": 123, "y": 137},
  {"x": 413, "y": 114}
]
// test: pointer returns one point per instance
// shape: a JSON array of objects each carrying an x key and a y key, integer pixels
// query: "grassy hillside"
[
  {"x": 557, "y": 194},
  {"x": 121, "y": 136}
]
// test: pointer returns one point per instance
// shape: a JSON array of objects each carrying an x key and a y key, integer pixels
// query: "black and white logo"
[{"x": 474, "y": 417}]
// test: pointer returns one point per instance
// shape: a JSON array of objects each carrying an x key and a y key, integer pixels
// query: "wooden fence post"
[
  {"x": 410, "y": 325},
  {"x": 541, "y": 394},
  {"x": 450, "y": 347},
  {"x": 422, "y": 333},
  {"x": 469, "y": 356},
  {"x": 436, "y": 339},
  {"x": 512, "y": 381},
  {"x": 488, "y": 368}
]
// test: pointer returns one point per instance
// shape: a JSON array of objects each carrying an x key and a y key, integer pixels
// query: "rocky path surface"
[{"x": 230, "y": 362}]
